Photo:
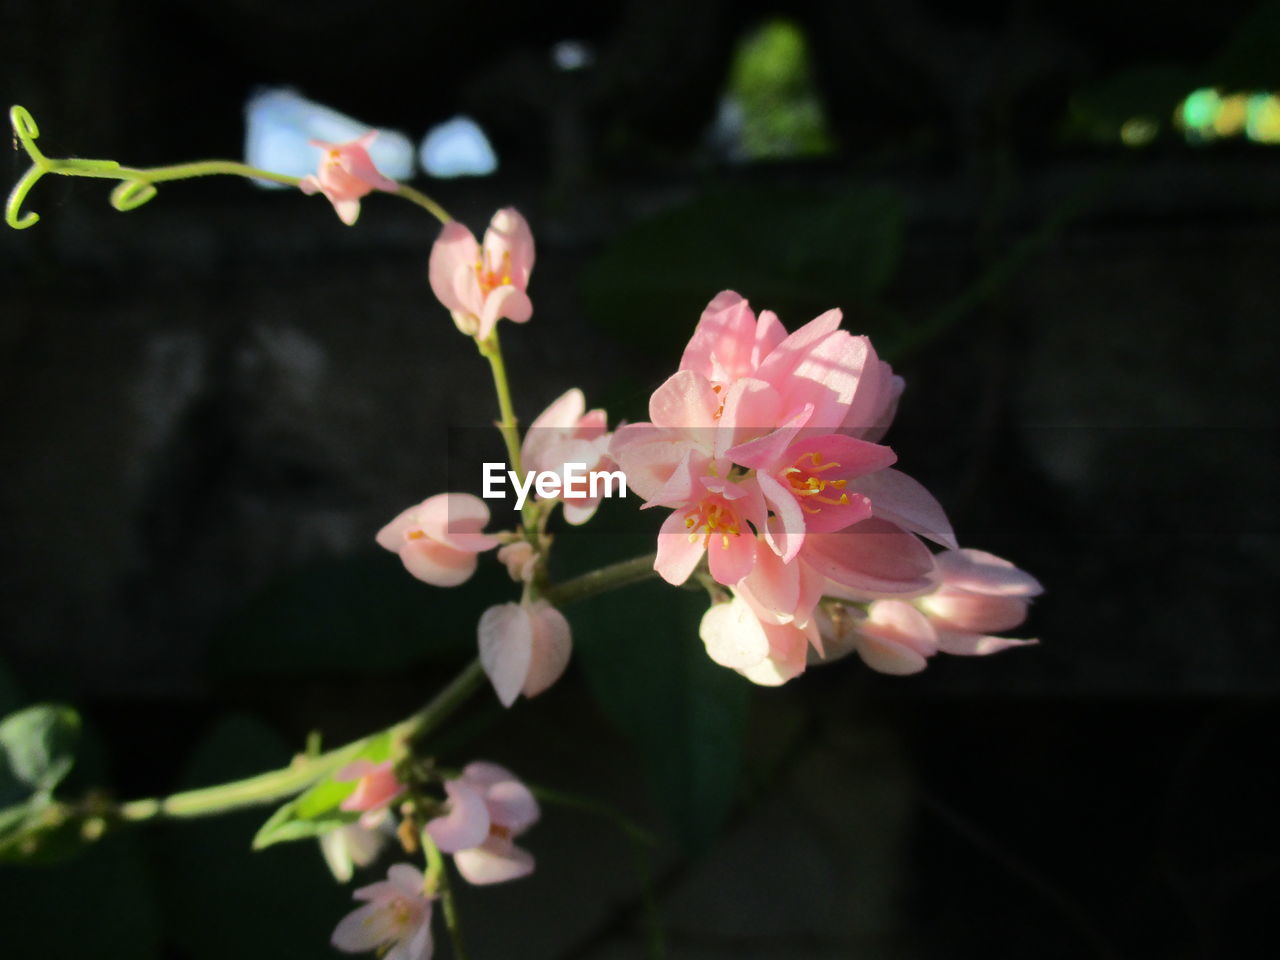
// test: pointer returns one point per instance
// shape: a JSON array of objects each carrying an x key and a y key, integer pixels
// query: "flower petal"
[
  {"x": 454, "y": 250},
  {"x": 679, "y": 551},
  {"x": 481, "y": 865},
  {"x": 551, "y": 647},
  {"x": 733, "y": 636},
  {"x": 506, "y": 647},
  {"x": 467, "y": 822}
]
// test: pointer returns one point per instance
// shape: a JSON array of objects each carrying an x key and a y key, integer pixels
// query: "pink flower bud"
[{"x": 524, "y": 648}]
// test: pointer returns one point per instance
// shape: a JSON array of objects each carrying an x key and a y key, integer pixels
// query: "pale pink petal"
[
  {"x": 783, "y": 358},
  {"x": 506, "y": 301},
  {"x": 773, "y": 586},
  {"x": 827, "y": 377},
  {"x": 788, "y": 656},
  {"x": 733, "y": 636},
  {"x": 391, "y": 537},
  {"x": 481, "y": 865},
  {"x": 899, "y": 622},
  {"x": 365, "y": 928},
  {"x": 407, "y": 879},
  {"x": 467, "y": 822},
  {"x": 310, "y": 184},
  {"x": 685, "y": 401},
  {"x": 975, "y": 645},
  {"x": 722, "y": 344},
  {"x": 873, "y": 396},
  {"x": 973, "y": 612},
  {"x": 506, "y": 649},
  {"x": 437, "y": 564},
  {"x": 513, "y": 805},
  {"x": 578, "y": 512},
  {"x": 785, "y": 531},
  {"x": 874, "y": 557},
  {"x": 901, "y": 500},
  {"x": 981, "y": 572},
  {"x": 550, "y": 650},
  {"x": 730, "y": 557},
  {"x": 356, "y": 159},
  {"x": 888, "y": 656},
  {"x": 853, "y": 457},
  {"x": 679, "y": 551},
  {"x": 348, "y": 210},
  {"x": 456, "y": 519},
  {"x": 766, "y": 452},
  {"x": 483, "y": 774},
  {"x": 769, "y": 333},
  {"x": 751, "y": 409},
  {"x": 552, "y": 425},
  {"x": 455, "y": 250},
  {"x": 509, "y": 234},
  {"x": 417, "y": 947}
]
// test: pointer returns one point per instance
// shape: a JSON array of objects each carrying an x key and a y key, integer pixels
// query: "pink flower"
[
  {"x": 980, "y": 593},
  {"x": 438, "y": 539},
  {"x": 764, "y": 438},
  {"x": 395, "y": 920},
  {"x": 565, "y": 433},
  {"x": 482, "y": 284},
  {"x": 488, "y": 808},
  {"x": 376, "y": 787},
  {"x": 977, "y": 592},
  {"x": 346, "y": 174},
  {"x": 524, "y": 648},
  {"x": 765, "y": 653}
]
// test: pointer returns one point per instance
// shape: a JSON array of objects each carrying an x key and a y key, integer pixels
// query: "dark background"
[{"x": 212, "y": 403}]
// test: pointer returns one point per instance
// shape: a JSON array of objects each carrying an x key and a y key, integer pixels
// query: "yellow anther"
[{"x": 415, "y": 535}]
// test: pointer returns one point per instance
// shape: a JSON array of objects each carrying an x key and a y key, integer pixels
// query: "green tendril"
[
  {"x": 131, "y": 194},
  {"x": 16, "y": 197}
]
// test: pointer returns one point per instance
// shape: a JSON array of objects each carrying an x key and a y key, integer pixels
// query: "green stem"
[
  {"x": 422, "y": 200},
  {"x": 436, "y": 882},
  {"x": 508, "y": 426},
  {"x": 303, "y": 772},
  {"x": 138, "y": 183},
  {"x": 263, "y": 788},
  {"x": 442, "y": 705},
  {"x": 608, "y": 578}
]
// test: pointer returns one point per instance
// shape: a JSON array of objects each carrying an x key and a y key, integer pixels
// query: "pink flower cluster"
[
  {"x": 487, "y": 808},
  {"x": 764, "y": 445}
]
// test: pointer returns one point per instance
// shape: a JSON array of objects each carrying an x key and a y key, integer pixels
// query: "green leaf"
[
  {"x": 640, "y": 653},
  {"x": 315, "y": 811},
  {"x": 36, "y": 749}
]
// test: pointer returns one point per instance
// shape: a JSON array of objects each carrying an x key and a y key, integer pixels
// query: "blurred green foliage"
[
  {"x": 640, "y": 654},
  {"x": 771, "y": 83},
  {"x": 795, "y": 250},
  {"x": 220, "y": 898},
  {"x": 359, "y": 614}
]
